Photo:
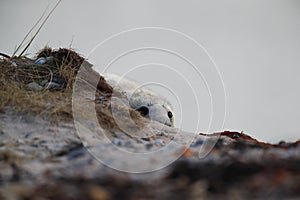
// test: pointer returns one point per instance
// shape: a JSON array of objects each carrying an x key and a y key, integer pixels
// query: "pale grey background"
[{"x": 255, "y": 44}]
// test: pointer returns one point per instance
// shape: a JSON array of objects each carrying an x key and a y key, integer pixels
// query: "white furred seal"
[{"x": 142, "y": 99}]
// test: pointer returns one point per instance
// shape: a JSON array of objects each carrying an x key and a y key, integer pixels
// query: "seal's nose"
[
  {"x": 159, "y": 113},
  {"x": 168, "y": 124}
]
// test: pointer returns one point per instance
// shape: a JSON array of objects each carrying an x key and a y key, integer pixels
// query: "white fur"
[{"x": 139, "y": 96}]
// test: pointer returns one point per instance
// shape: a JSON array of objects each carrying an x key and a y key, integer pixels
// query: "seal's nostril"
[{"x": 143, "y": 110}]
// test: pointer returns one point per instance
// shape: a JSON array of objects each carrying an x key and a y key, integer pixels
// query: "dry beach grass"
[{"x": 18, "y": 72}]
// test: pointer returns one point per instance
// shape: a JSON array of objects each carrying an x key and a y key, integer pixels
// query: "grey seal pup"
[{"x": 142, "y": 99}]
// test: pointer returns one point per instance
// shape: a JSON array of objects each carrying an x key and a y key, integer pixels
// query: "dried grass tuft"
[{"x": 17, "y": 72}]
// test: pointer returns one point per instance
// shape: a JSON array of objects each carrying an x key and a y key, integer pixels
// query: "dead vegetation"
[{"x": 17, "y": 73}]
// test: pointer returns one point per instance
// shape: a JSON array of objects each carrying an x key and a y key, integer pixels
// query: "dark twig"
[
  {"x": 21, "y": 44},
  {"x": 45, "y": 20},
  {"x": 4, "y": 55}
]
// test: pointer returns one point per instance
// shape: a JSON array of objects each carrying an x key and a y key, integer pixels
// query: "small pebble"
[
  {"x": 148, "y": 146},
  {"x": 129, "y": 143},
  {"x": 58, "y": 80},
  {"x": 91, "y": 124},
  {"x": 14, "y": 64},
  {"x": 76, "y": 153},
  {"x": 44, "y": 82},
  {"x": 159, "y": 142},
  {"x": 118, "y": 142},
  {"x": 53, "y": 85},
  {"x": 48, "y": 59},
  {"x": 197, "y": 143},
  {"x": 40, "y": 61},
  {"x": 35, "y": 86},
  {"x": 119, "y": 135},
  {"x": 42, "y": 142}
]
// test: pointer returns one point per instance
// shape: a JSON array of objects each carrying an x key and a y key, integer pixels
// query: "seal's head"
[
  {"x": 149, "y": 103},
  {"x": 158, "y": 112}
]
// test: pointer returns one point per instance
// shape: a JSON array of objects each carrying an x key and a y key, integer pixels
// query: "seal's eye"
[
  {"x": 170, "y": 115},
  {"x": 143, "y": 110}
]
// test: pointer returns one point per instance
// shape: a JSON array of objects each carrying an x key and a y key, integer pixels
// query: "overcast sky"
[{"x": 255, "y": 45}]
